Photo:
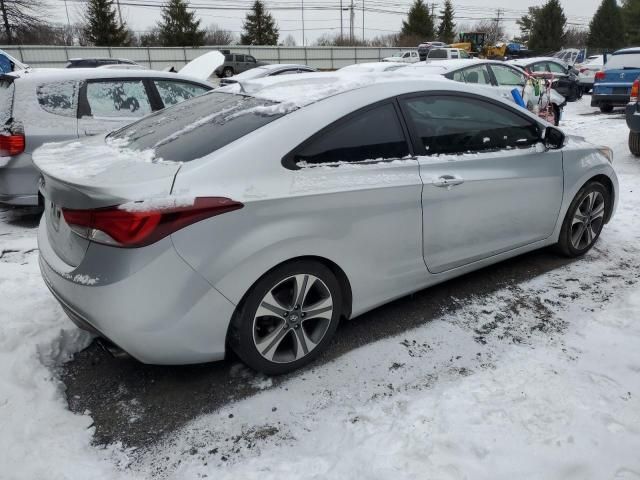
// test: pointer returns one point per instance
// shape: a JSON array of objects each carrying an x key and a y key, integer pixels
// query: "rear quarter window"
[
  {"x": 59, "y": 98},
  {"x": 199, "y": 126},
  {"x": 6, "y": 101}
]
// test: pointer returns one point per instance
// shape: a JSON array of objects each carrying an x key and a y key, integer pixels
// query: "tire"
[
  {"x": 606, "y": 108},
  {"x": 586, "y": 90},
  {"x": 592, "y": 203},
  {"x": 227, "y": 72},
  {"x": 634, "y": 143},
  {"x": 277, "y": 339},
  {"x": 556, "y": 115}
]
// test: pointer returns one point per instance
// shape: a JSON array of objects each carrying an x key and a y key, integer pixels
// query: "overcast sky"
[{"x": 323, "y": 16}]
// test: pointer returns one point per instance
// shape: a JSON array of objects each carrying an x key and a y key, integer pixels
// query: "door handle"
[{"x": 448, "y": 181}]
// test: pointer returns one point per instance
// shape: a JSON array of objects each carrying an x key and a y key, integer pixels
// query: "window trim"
[
  {"x": 415, "y": 137},
  {"x": 495, "y": 78},
  {"x": 288, "y": 160}
]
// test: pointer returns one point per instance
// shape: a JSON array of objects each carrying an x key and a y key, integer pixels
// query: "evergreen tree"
[
  {"x": 547, "y": 31},
  {"x": 178, "y": 27},
  {"x": 526, "y": 23},
  {"x": 606, "y": 29},
  {"x": 446, "y": 29},
  {"x": 259, "y": 27},
  {"x": 102, "y": 29},
  {"x": 419, "y": 22},
  {"x": 631, "y": 19}
]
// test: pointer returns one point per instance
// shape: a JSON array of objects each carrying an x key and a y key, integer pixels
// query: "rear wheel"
[
  {"x": 634, "y": 143},
  {"x": 556, "y": 115},
  {"x": 606, "y": 108},
  {"x": 287, "y": 318},
  {"x": 227, "y": 72},
  {"x": 584, "y": 220}
]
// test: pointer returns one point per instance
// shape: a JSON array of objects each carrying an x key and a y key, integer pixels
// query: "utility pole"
[
  {"x": 304, "y": 43},
  {"x": 341, "y": 26},
  {"x": 119, "y": 11},
  {"x": 364, "y": 39},
  {"x": 68, "y": 23},
  {"x": 497, "y": 32},
  {"x": 351, "y": 29}
]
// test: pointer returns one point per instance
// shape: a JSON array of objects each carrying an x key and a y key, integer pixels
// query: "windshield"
[
  {"x": 199, "y": 126},
  {"x": 623, "y": 60}
]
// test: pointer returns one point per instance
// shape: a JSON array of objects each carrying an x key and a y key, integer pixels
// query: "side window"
[
  {"x": 239, "y": 58},
  {"x": 508, "y": 76},
  {"x": 118, "y": 99},
  {"x": 249, "y": 58},
  {"x": 458, "y": 76},
  {"x": 172, "y": 92},
  {"x": 454, "y": 54},
  {"x": 538, "y": 67},
  {"x": 228, "y": 57},
  {"x": 478, "y": 74},
  {"x": 449, "y": 125},
  {"x": 288, "y": 72},
  {"x": 437, "y": 53},
  {"x": 59, "y": 98},
  {"x": 357, "y": 139},
  {"x": 555, "y": 68},
  {"x": 406, "y": 55}
]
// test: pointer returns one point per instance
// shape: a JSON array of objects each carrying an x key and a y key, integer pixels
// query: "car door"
[
  {"x": 506, "y": 79},
  {"x": 489, "y": 187},
  {"x": 107, "y": 104}
]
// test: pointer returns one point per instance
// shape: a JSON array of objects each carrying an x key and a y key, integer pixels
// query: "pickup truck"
[{"x": 612, "y": 85}]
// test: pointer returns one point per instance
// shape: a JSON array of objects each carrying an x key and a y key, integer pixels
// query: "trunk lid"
[{"x": 93, "y": 173}]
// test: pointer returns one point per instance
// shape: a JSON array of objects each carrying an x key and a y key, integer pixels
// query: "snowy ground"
[{"x": 539, "y": 379}]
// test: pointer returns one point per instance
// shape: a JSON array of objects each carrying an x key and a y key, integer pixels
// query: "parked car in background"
[
  {"x": 612, "y": 84},
  {"x": 403, "y": 57},
  {"x": 43, "y": 106},
  {"x": 97, "y": 62},
  {"x": 235, "y": 63},
  {"x": 587, "y": 71},
  {"x": 498, "y": 78},
  {"x": 9, "y": 63},
  {"x": 571, "y": 56},
  {"x": 632, "y": 114},
  {"x": 373, "y": 67},
  {"x": 268, "y": 71},
  {"x": 438, "y": 54},
  {"x": 565, "y": 80},
  {"x": 175, "y": 262},
  {"x": 423, "y": 48}
]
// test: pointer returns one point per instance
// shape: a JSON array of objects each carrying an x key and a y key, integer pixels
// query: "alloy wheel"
[
  {"x": 587, "y": 221},
  {"x": 292, "y": 318}
]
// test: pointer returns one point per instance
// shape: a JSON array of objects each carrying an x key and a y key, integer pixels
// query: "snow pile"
[
  {"x": 76, "y": 160},
  {"x": 39, "y": 437}
]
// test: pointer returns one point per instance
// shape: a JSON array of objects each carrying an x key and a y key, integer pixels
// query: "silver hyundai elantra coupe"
[{"x": 258, "y": 216}]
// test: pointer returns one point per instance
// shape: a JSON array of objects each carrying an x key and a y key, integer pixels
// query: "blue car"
[{"x": 612, "y": 85}]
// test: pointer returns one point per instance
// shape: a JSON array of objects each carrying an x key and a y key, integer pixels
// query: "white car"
[
  {"x": 374, "y": 67},
  {"x": 403, "y": 57},
  {"x": 498, "y": 77},
  {"x": 587, "y": 71},
  {"x": 437, "y": 54}
]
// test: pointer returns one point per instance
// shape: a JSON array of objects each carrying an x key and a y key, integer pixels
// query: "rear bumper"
[
  {"x": 615, "y": 100},
  {"x": 149, "y": 302}
]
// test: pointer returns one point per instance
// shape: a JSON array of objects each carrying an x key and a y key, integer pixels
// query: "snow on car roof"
[
  {"x": 371, "y": 67},
  {"x": 626, "y": 50},
  {"x": 529, "y": 61}
]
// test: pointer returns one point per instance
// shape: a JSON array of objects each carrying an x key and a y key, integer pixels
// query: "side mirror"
[{"x": 554, "y": 138}]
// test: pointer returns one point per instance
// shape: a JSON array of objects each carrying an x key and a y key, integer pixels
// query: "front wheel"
[
  {"x": 287, "y": 318},
  {"x": 227, "y": 72},
  {"x": 634, "y": 143},
  {"x": 584, "y": 220}
]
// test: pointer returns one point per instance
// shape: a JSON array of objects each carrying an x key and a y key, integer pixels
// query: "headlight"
[{"x": 607, "y": 152}]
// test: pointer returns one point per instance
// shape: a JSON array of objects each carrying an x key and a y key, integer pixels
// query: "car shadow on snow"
[
  {"x": 138, "y": 404},
  {"x": 23, "y": 217}
]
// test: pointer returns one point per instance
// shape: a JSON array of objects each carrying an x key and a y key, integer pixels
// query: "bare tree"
[
  {"x": 493, "y": 30},
  {"x": 289, "y": 41},
  {"x": 390, "y": 40},
  {"x": 21, "y": 15},
  {"x": 216, "y": 36}
]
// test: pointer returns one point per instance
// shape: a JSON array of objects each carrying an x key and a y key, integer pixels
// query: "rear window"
[
  {"x": 437, "y": 53},
  {"x": 623, "y": 60},
  {"x": 59, "y": 98},
  {"x": 199, "y": 126},
  {"x": 6, "y": 101}
]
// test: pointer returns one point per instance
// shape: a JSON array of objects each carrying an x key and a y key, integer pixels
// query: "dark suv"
[
  {"x": 235, "y": 63},
  {"x": 97, "y": 62}
]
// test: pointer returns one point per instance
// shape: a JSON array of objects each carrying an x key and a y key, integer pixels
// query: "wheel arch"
[{"x": 608, "y": 184}]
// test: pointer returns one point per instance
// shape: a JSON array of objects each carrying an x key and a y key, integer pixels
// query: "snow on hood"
[
  {"x": 203, "y": 66},
  {"x": 100, "y": 160}
]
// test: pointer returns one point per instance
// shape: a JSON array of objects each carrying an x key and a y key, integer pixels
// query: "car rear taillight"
[
  {"x": 12, "y": 144},
  {"x": 635, "y": 90},
  {"x": 600, "y": 75},
  {"x": 133, "y": 225}
]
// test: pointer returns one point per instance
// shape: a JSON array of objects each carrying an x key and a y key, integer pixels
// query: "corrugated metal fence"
[{"x": 158, "y": 58}]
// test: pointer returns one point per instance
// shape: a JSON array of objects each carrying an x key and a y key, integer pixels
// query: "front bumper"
[
  {"x": 148, "y": 302},
  {"x": 615, "y": 100}
]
